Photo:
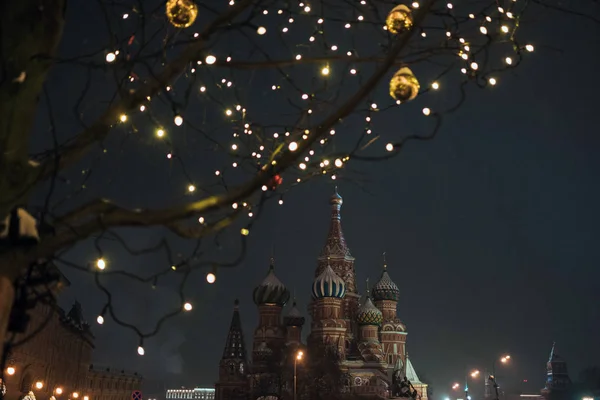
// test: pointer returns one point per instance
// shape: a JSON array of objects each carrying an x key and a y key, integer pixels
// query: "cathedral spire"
[
  {"x": 235, "y": 348},
  {"x": 336, "y": 243}
]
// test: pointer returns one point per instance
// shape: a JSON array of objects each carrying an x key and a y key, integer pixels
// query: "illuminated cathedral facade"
[{"x": 364, "y": 331}]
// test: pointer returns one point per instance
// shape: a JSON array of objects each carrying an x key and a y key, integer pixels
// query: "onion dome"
[
  {"x": 385, "y": 289},
  {"x": 328, "y": 284},
  {"x": 293, "y": 317},
  {"x": 368, "y": 314},
  {"x": 262, "y": 352},
  {"x": 271, "y": 290}
]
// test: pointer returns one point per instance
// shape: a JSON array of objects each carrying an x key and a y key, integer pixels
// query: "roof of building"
[
  {"x": 328, "y": 284},
  {"x": 368, "y": 314},
  {"x": 235, "y": 347},
  {"x": 411, "y": 374},
  {"x": 271, "y": 290},
  {"x": 294, "y": 317},
  {"x": 336, "y": 246},
  {"x": 385, "y": 288}
]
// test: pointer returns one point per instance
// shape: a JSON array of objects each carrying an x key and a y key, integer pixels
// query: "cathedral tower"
[
  {"x": 336, "y": 254},
  {"x": 393, "y": 332},
  {"x": 369, "y": 319},
  {"x": 232, "y": 384},
  {"x": 269, "y": 336},
  {"x": 293, "y": 321},
  {"x": 328, "y": 326}
]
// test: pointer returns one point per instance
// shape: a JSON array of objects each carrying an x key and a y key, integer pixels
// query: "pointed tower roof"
[
  {"x": 294, "y": 317},
  {"x": 336, "y": 246},
  {"x": 552, "y": 356},
  {"x": 235, "y": 348},
  {"x": 411, "y": 374},
  {"x": 385, "y": 288},
  {"x": 271, "y": 290}
]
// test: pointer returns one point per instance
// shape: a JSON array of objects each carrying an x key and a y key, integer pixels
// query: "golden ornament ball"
[
  {"x": 399, "y": 19},
  {"x": 182, "y": 13},
  {"x": 404, "y": 86}
]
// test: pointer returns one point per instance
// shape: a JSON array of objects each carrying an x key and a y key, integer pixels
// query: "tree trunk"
[{"x": 7, "y": 294}]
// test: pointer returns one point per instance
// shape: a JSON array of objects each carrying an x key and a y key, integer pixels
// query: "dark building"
[
  {"x": 558, "y": 383},
  {"x": 57, "y": 361}
]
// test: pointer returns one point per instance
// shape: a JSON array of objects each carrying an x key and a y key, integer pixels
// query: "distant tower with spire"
[
  {"x": 269, "y": 336},
  {"x": 386, "y": 294},
  {"x": 336, "y": 254},
  {"x": 232, "y": 383},
  {"x": 557, "y": 377}
]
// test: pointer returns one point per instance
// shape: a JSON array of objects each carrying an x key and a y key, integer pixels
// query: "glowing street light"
[
  {"x": 11, "y": 370},
  {"x": 39, "y": 385},
  {"x": 475, "y": 373},
  {"x": 456, "y": 386},
  {"x": 58, "y": 390},
  {"x": 298, "y": 357}
]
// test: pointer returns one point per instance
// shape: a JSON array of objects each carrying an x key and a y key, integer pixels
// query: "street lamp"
[
  {"x": 504, "y": 359},
  {"x": 298, "y": 357}
]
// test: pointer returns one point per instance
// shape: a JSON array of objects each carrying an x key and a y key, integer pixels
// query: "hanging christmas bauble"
[
  {"x": 182, "y": 13},
  {"x": 399, "y": 19},
  {"x": 404, "y": 85},
  {"x": 275, "y": 181}
]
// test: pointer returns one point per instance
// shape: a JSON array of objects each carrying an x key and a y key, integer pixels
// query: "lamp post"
[
  {"x": 504, "y": 359},
  {"x": 298, "y": 357}
]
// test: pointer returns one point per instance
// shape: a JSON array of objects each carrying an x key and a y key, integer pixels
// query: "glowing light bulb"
[
  {"x": 483, "y": 30},
  {"x": 244, "y": 232},
  {"x": 100, "y": 320},
  {"x": 508, "y": 60},
  {"x": 187, "y": 306},
  {"x": 504, "y": 28},
  {"x": 426, "y": 111},
  {"x": 191, "y": 188},
  {"x": 261, "y": 30},
  {"x": 10, "y": 370},
  {"x": 435, "y": 85},
  {"x": 111, "y": 57},
  {"x": 474, "y": 66},
  {"x": 39, "y": 385},
  {"x": 211, "y": 278},
  {"x": 178, "y": 120},
  {"x": 160, "y": 133},
  {"x": 100, "y": 263},
  {"x": 325, "y": 71},
  {"x": 389, "y": 147},
  {"x": 141, "y": 351},
  {"x": 293, "y": 146},
  {"x": 210, "y": 59},
  {"x": 123, "y": 117},
  {"x": 529, "y": 47},
  {"x": 338, "y": 163},
  {"x": 58, "y": 390},
  {"x": 492, "y": 81}
]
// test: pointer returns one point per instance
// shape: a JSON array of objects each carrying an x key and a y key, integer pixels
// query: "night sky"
[{"x": 490, "y": 231}]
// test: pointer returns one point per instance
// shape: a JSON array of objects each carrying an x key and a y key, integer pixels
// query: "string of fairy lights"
[{"x": 311, "y": 57}]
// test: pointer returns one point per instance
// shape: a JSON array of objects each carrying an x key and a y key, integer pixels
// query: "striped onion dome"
[
  {"x": 368, "y": 314},
  {"x": 271, "y": 290},
  {"x": 293, "y": 317},
  {"x": 328, "y": 284},
  {"x": 385, "y": 289}
]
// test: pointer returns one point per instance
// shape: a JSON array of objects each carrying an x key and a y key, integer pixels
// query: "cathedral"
[{"x": 363, "y": 331}]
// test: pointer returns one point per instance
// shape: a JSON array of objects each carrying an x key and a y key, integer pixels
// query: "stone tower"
[
  {"x": 293, "y": 321},
  {"x": 393, "y": 333},
  {"x": 269, "y": 336},
  {"x": 232, "y": 384},
  {"x": 337, "y": 255},
  {"x": 558, "y": 382},
  {"x": 328, "y": 326}
]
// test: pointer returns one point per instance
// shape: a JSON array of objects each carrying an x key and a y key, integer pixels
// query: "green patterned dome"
[
  {"x": 385, "y": 289},
  {"x": 368, "y": 314}
]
